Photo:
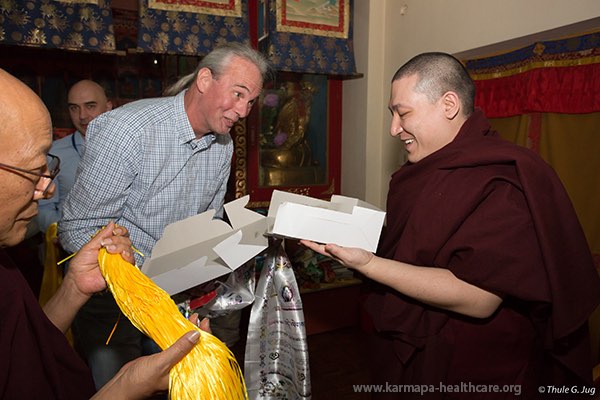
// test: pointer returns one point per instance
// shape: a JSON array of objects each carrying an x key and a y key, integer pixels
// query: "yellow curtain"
[
  {"x": 53, "y": 276},
  {"x": 514, "y": 129},
  {"x": 570, "y": 143}
]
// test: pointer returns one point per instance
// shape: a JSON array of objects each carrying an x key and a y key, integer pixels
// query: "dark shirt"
[{"x": 36, "y": 361}]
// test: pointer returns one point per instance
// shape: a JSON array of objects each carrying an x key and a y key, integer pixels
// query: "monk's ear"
[
  {"x": 203, "y": 79},
  {"x": 451, "y": 104}
]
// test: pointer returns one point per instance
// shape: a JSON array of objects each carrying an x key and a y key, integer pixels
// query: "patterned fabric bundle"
[
  {"x": 276, "y": 361},
  {"x": 209, "y": 371}
]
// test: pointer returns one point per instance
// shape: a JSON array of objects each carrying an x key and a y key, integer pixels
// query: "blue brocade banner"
[
  {"x": 293, "y": 43},
  {"x": 571, "y": 51},
  {"x": 72, "y": 25},
  {"x": 177, "y": 30}
]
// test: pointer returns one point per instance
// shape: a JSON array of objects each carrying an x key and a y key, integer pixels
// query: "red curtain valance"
[{"x": 560, "y": 76}]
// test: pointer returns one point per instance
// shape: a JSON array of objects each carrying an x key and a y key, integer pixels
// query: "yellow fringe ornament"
[{"x": 209, "y": 371}]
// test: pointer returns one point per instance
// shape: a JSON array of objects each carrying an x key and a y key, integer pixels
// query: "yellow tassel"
[{"x": 209, "y": 371}]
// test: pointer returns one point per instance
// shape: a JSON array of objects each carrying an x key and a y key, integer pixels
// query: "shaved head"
[
  {"x": 88, "y": 86},
  {"x": 26, "y": 136},
  {"x": 437, "y": 74},
  {"x": 86, "y": 100},
  {"x": 24, "y": 117}
]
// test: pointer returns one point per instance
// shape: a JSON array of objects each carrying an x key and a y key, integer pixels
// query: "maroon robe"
[
  {"x": 498, "y": 217},
  {"x": 36, "y": 361}
]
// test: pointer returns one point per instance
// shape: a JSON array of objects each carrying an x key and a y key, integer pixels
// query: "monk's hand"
[
  {"x": 351, "y": 257},
  {"x": 149, "y": 375},
  {"x": 84, "y": 270}
]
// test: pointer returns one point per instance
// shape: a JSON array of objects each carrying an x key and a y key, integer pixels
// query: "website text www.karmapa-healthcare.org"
[{"x": 463, "y": 387}]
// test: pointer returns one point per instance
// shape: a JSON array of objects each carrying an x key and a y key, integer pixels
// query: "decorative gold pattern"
[
  {"x": 67, "y": 24},
  {"x": 534, "y": 65},
  {"x": 302, "y": 190},
  {"x": 240, "y": 167},
  {"x": 169, "y": 26},
  {"x": 569, "y": 52},
  {"x": 225, "y": 8}
]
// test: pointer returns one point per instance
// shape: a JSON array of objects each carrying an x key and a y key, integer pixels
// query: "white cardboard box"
[
  {"x": 343, "y": 220},
  {"x": 199, "y": 249}
]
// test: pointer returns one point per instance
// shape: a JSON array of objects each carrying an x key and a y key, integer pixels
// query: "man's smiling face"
[
  {"x": 228, "y": 97},
  {"x": 419, "y": 122}
]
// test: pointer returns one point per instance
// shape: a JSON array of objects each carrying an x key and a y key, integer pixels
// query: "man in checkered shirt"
[{"x": 151, "y": 163}]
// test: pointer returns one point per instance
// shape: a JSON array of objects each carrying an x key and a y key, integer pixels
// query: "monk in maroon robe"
[{"x": 483, "y": 282}]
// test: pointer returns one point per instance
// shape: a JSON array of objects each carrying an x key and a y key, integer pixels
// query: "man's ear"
[
  {"x": 109, "y": 105},
  {"x": 203, "y": 79},
  {"x": 451, "y": 104}
]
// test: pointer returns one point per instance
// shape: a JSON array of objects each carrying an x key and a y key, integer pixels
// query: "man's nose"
[
  {"x": 83, "y": 114},
  {"x": 396, "y": 127},
  {"x": 242, "y": 109}
]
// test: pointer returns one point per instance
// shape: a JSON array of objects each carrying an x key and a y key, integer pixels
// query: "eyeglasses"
[{"x": 53, "y": 169}]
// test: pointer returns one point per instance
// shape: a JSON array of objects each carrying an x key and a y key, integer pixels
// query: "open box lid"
[{"x": 199, "y": 248}]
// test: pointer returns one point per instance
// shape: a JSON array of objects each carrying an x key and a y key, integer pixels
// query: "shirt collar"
[
  {"x": 186, "y": 133},
  {"x": 79, "y": 139}
]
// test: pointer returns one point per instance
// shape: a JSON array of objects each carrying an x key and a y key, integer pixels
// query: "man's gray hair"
[
  {"x": 218, "y": 59},
  {"x": 437, "y": 74}
]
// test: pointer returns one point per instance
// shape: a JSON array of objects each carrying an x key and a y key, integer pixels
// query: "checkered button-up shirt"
[{"x": 144, "y": 169}]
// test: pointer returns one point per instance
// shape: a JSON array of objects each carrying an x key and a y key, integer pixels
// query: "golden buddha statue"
[{"x": 293, "y": 147}]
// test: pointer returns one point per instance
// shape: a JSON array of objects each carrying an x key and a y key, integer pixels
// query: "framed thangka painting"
[
  {"x": 292, "y": 141},
  {"x": 314, "y": 17}
]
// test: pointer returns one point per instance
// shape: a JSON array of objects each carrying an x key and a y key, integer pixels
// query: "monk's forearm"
[
  {"x": 437, "y": 287},
  {"x": 64, "y": 305}
]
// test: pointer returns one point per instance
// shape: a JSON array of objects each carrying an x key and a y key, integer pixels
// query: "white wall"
[
  {"x": 361, "y": 156},
  {"x": 388, "y": 33}
]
